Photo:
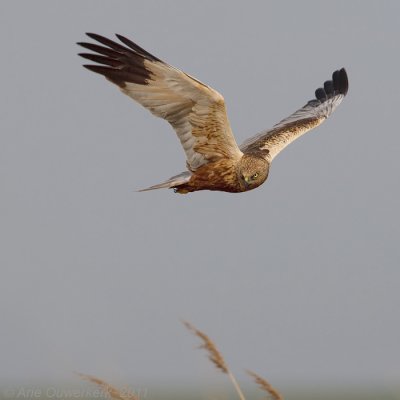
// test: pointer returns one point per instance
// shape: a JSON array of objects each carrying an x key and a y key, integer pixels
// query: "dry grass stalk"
[
  {"x": 215, "y": 356},
  {"x": 111, "y": 391},
  {"x": 266, "y": 386}
]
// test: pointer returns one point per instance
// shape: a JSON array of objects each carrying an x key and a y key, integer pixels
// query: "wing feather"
[
  {"x": 301, "y": 121},
  {"x": 196, "y": 111}
]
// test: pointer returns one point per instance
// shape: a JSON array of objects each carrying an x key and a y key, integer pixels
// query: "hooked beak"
[{"x": 246, "y": 181}]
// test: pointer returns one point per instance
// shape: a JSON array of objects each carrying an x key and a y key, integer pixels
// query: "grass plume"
[
  {"x": 113, "y": 392},
  {"x": 265, "y": 386},
  {"x": 213, "y": 353}
]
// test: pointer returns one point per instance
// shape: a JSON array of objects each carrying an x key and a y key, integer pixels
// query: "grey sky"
[{"x": 298, "y": 280}]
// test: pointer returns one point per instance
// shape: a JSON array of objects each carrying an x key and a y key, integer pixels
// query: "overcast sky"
[{"x": 297, "y": 280}]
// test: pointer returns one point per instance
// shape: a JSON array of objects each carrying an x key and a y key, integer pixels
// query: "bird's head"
[{"x": 252, "y": 171}]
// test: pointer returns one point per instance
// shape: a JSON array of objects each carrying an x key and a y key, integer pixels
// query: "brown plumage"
[{"x": 198, "y": 115}]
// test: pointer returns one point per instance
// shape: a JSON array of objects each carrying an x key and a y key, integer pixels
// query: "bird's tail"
[{"x": 170, "y": 183}]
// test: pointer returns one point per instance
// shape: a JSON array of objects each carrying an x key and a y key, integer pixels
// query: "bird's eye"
[{"x": 254, "y": 176}]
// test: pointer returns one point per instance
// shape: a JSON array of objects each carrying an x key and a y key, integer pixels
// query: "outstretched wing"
[
  {"x": 306, "y": 118},
  {"x": 196, "y": 111}
]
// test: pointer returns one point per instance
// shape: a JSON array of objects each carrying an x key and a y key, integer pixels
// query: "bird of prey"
[{"x": 198, "y": 114}]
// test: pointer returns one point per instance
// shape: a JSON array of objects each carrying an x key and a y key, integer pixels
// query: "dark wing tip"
[
  {"x": 107, "y": 42},
  {"x": 99, "y": 69},
  {"x": 136, "y": 48},
  {"x": 329, "y": 88},
  {"x": 120, "y": 64},
  {"x": 338, "y": 85},
  {"x": 114, "y": 75},
  {"x": 320, "y": 94},
  {"x": 101, "y": 59},
  {"x": 94, "y": 36},
  {"x": 340, "y": 81}
]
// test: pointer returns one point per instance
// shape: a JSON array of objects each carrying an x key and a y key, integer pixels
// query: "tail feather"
[{"x": 170, "y": 183}]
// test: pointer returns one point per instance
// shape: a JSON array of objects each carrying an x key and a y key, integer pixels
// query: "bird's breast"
[{"x": 219, "y": 175}]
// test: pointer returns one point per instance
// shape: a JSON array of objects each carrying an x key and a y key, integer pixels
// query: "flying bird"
[{"x": 197, "y": 113}]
